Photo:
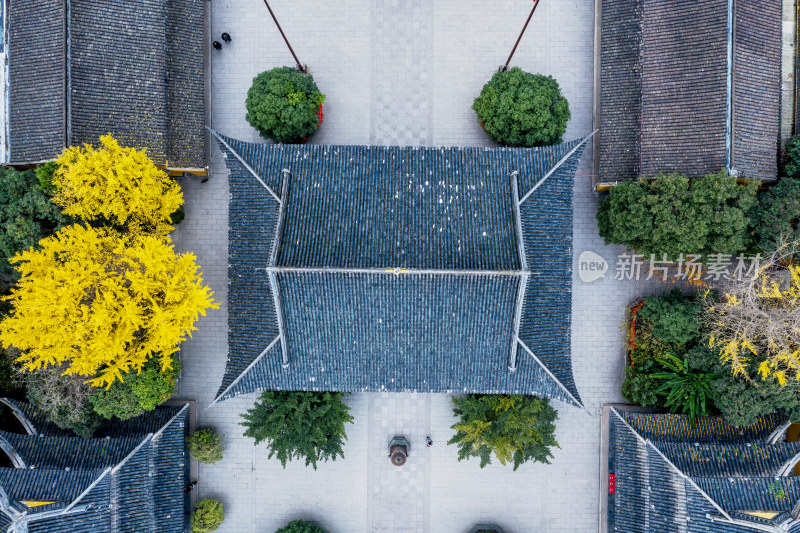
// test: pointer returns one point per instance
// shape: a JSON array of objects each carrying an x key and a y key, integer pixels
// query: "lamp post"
[
  {"x": 505, "y": 67},
  {"x": 301, "y": 67}
]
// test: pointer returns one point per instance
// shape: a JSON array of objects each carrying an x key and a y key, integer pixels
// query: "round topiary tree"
[
  {"x": 284, "y": 105},
  {"x": 300, "y": 526},
  {"x": 206, "y": 445},
  {"x": 207, "y": 516},
  {"x": 518, "y": 108}
]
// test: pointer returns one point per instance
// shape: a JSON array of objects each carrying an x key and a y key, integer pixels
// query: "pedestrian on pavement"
[
  {"x": 428, "y": 442},
  {"x": 189, "y": 487}
]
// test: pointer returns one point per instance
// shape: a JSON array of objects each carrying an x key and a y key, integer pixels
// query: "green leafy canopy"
[
  {"x": 513, "y": 427},
  {"x": 674, "y": 215},
  {"x": 300, "y": 526},
  {"x": 299, "y": 425},
  {"x": 518, "y": 108},
  {"x": 207, "y": 516},
  {"x": 205, "y": 445},
  {"x": 283, "y": 105}
]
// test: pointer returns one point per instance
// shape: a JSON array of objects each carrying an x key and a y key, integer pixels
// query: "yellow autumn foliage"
[
  {"x": 757, "y": 323},
  {"x": 102, "y": 302},
  {"x": 117, "y": 184}
]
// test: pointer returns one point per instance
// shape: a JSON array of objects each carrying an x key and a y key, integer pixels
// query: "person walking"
[{"x": 428, "y": 442}]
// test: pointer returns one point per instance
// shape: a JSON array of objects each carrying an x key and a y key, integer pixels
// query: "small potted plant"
[
  {"x": 301, "y": 526},
  {"x": 517, "y": 108},
  {"x": 285, "y": 105}
]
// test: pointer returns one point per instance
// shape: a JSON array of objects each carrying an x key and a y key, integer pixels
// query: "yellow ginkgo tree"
[
  {"x": 755, "y": 321},
  {"x": 115, "y": 184},
  {"x": 99, "y": 302}
]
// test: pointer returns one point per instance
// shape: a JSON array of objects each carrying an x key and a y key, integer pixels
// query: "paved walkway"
[{"x": 404, "y": 73}]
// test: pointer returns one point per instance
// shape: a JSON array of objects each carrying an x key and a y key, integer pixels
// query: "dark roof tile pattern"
[
  {"x": 547, "y": 234},
  {"x": 118, "y": 73},
  {"x": 143, "y": 492},
  {"x": 38, "y": 451},
  {"x": 133, "y": 69},
  {"x": 756, "y": 88},
  {"x": 684, "y": 86},
  {"x": 185, "y": 84},
  {"x": 620, "y": 90},
  {"x": 711, "y": 430},
  {"x": 404, "y": 330},
  {"x": 664, "y": 88},
  {"x": 37, "y": 79},
  {"x": 658, "y": 484}
]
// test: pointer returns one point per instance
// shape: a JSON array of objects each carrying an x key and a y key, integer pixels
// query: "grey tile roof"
[
  {"x": 399, "y": 269},
  {"x": 37, "y": 66},
  {"x": 131, "y": 483},
  {"x": 620, "y": 97},
  {"x": 134, "y": 69},
  {"x": 665, "y": 88},
  {"x": 757, "y": 88},
  {"x": 674, "y": 485}
]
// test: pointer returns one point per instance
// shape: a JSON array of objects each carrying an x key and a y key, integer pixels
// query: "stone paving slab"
[{"x": 403, "y": 73}]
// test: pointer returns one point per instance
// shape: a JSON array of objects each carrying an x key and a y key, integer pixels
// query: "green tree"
[
  {"x": 283, "y": 105},
  {"x": 205, "y": 445},
  {"x": 776, "y": 219},
  {"x": 674, "y": 215},
  {"x": 300, "y": 526},
  {"x": 138, "y": 392},
  {"x": 792, "y": 157},
  {"x": 515, "y": 428},
  {"x": 518, "y": 108},
  {"x": 207, "y": 516},
  {"x": 299, "y": 425},
  {"x": 742, "y": 401},
  {"x": 674, "y": 319},
  {"x": 26, "y": 216},
  {"x": 639, "y": 385}
]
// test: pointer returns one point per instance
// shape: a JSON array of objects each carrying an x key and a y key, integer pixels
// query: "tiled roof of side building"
[
  {"x": 757, "y": 88},
  {"x": 118, "y": 73},
  {"x": 740, "y": 483},
  {"x": 666, "y": 81},
  {"x": 103, "y": 485},
  {"x": 37, "y": 76},
  {"x": 399, "y": 268},
  {"x": 684, "y": 86},
  {"x": 132, "y": 69},
  {"x": 185, "y": 84},
  {"x": 620, "y": 97}
]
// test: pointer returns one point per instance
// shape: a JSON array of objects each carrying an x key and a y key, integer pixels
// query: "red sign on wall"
[{"x": 612, "y": 480}]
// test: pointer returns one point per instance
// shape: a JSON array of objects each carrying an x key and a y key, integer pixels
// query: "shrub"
[
  {"x": 686, "y": 390},
  {"x": 518, "y": 108},
  {"x": 639, "y": 385},
  {"x": 300, "y": 526},
  {"x": 102, "y": 303},
  {"x": 26, "y": 216},
  {"x": 205, "y": 445},
  {"x": 742, "y": 401},
  {"x": 792, "y": 157},
  {"x": 283, "y": 105},
  {"x": 776, "y": 219},
  {"x": 676, "y": 216},
  {"x": 62, "y": 399},
  {"x": 116, "y": 185},
  {"x": 673, "y": 318},
  {"x": 207, "y": 516},
  {"x": 137, "y": 392},
  {"x": 299, "y": 425},
  {"x": 44, "y": 174},
  {"x": 515, "y": 428}
]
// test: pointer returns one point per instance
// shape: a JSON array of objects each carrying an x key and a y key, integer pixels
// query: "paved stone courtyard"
[{"x": 404, "y": 73}]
